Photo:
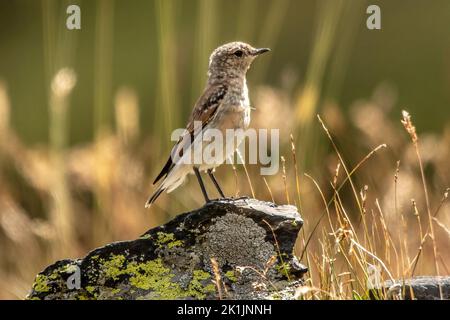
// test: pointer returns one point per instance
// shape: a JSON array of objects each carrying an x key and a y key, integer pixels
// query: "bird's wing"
[
  {"x": 207, "y": 105},
  {"x": 204, "y": 111}
]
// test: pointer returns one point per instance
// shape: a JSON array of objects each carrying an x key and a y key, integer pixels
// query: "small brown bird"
[{"x": 223, "y": 105}]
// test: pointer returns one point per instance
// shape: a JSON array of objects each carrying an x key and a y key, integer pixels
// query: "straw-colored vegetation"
[{"x": 373, "y": 191}]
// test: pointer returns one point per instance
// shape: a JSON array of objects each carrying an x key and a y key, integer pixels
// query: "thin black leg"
[
  {"x": 211, "y": 175},
  {"x": 200, "y": 182}
]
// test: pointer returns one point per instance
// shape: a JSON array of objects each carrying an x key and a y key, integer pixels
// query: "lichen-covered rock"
[
  {"x": 417, "y": 288},
  {"x": 251, "y": 241}
]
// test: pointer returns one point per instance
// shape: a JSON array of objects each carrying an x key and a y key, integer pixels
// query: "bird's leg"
[
  {"x": 202, "y": 186},
  {"x": 211, "y": 175}
]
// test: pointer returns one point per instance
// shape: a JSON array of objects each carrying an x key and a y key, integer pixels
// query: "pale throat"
[
  {"x": 245, "y": 97},
  {"x": 246, "y": 104}
]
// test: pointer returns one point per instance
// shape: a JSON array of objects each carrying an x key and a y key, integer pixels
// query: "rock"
[
  {"x": 251, "y": 241},
  {"x": 418, "y": 288}
]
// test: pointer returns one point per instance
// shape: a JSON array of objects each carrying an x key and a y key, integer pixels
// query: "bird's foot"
[
  {"x": 227, "y": 199},
  {"x": 241, "y": 198},
  {"x": 235, "y": 198}
]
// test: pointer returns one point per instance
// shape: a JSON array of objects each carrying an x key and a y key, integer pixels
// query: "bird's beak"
[{"x": 259, "y": 51}]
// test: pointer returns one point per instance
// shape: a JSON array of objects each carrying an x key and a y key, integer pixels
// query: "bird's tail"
[
  {"x": 154, "y": 196},
  {"x": 174, "y": 178}
]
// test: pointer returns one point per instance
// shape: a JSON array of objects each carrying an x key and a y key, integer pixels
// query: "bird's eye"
[{"x": 238, "y": 53}]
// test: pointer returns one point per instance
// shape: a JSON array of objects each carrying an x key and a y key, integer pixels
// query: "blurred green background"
[{"x": 411, "y": 52}]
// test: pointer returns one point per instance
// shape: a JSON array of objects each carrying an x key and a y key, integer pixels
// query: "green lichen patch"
[
  {"x": 113, "y": 267},
  {"x": 68, "y": 268},
  {"x": 82, "y": 297},
  {"x": 90, "y": 289},
  {"x": 52, "y": 280},
  {"x": 41, "y": 284},
  {"x": 150, "y": 275},
  {"x": 197, "y": 288},
  {"x": 168, "y": 239},
  {"x": 231, "y": 275},
  {"x": 154, "y": 276},
  {"x": 107, "y": 293},
  {"x": 275, "y": 296}
]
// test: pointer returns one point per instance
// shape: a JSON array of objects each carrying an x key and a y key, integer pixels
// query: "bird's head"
[{"x": 232, "y": 59}]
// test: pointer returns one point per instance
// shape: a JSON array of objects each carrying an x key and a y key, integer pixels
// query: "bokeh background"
[{"x": 76, "y": 164}]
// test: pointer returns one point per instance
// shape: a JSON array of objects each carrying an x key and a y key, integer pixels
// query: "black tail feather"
[
  {"x": 154, "y": 197},
  {"x": 165, "y": 170}
]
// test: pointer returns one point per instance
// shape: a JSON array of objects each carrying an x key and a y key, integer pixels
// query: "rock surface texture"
[
  {"x": 250, "y": 241},
  {"x": 419, "y": 288}
]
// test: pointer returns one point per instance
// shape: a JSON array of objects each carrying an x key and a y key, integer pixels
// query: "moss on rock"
[
  {"x": 41, "y": 284},
  {"x": 168, "y": 239}
]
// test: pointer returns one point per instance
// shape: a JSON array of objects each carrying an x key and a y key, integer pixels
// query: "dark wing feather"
[
  {"x": 207, "y": 105},
  {"x": 204, "y": 111},
  {"x": 164, "y": 170}
]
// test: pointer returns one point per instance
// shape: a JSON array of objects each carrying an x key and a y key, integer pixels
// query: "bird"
[{"x": 224, "y": 104}]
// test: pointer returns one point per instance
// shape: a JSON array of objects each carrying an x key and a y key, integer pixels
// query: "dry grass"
[{"x": 386, "y": 210}]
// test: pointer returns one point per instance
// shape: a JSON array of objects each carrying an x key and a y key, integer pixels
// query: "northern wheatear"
[{"x": 223, "y": 105}]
